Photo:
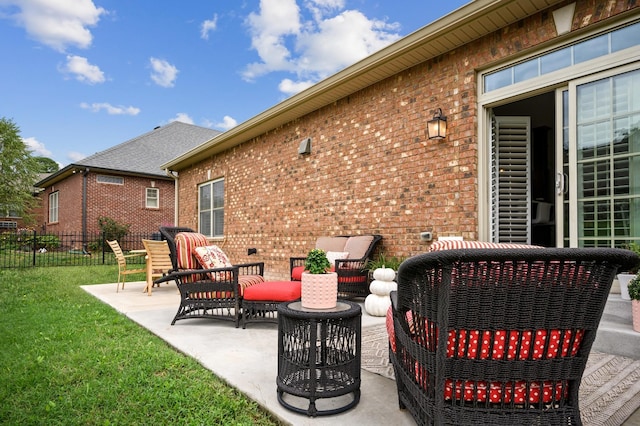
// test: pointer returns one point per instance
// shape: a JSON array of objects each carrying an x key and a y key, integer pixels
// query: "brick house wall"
[
  {"x": 371, "y": 169},
  {"x": 69, "y": 205},
  {"x": 123, "y": 203}
]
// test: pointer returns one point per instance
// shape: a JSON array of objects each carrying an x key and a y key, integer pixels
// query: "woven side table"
[{"x": 319, "y": 358}]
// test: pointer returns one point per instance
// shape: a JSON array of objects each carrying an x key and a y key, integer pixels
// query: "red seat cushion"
[
  {"x": 296, "y": 273},
  {"x": 276, "y": 291}
]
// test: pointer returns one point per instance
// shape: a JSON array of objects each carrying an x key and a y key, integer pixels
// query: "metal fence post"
[{"x": 34, "y": 247}]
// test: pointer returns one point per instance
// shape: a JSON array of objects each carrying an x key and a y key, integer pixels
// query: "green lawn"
[{"x": 67, "y": 358}]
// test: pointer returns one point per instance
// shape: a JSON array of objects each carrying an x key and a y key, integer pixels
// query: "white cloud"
[
  {"x": 83, "y": 70},
  {"x": 341, "y": 41},
  {"x": 277, "y": 20},
  {"x": 290, "y": 87},
  {"x": 182, "y": 117},
  {"x": 208, "y": 26},
  {"x": 312, "y": 49},
  {"x": 75, "y": 156},
  {"x": 110, "y": 109},
  {"x": 36, "y": 147},
  {"x": 227, "y": 123},
  {"x": 163, "y": 73},
  {"x": 57, "y": 24}
]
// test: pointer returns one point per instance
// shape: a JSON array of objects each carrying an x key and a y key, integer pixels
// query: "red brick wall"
[
  {"x": 69, "y": 205},
  {"x": 123, "y": 203},
  {"x": 372, "y": 169},
  {"x": 126, "y": 203}
]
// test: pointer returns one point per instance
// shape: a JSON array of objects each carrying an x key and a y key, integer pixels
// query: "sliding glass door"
[{"x": 602, "y": 161}]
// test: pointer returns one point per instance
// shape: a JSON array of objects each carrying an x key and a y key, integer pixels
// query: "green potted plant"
[
  {"x": 624, "y": 278},
  {"x": 319, "y": 286},
  {"x": 634, "y": 294}
]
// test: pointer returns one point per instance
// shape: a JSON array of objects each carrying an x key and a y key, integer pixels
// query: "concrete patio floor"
[{"x": 247, "y": 359}]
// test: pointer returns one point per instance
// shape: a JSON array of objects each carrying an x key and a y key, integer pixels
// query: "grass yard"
[{"x": 66, "y": 358}]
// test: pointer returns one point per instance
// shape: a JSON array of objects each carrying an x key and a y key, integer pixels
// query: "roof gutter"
[
  {"x": 174, "y": 176},
  {"x": 470, "y": 22}
]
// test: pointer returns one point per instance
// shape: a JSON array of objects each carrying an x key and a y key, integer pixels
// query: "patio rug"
[{"x": 609, "y": 393}]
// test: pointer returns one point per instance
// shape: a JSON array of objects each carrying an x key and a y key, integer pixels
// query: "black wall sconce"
[
  {"x": 252, "y": 251},
  {"x": 305, "y": 146},
  {"x": 437, "y": 126}
]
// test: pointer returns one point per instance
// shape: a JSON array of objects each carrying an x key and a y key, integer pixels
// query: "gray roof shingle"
[{"x": 146, "y": 153}]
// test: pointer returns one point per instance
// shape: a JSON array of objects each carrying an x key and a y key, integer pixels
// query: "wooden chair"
[
  {"x": 498, "y": 336},
  {"x": 123, "y": 269},
  {"x": 158, "y": 261}
]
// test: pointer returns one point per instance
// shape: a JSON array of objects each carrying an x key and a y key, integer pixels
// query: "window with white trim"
[
  {"x": 112, "y": 180},
  {"x": 211, "y": 208},
  {"x": 597, "y": 46},
  {"x": 53, "y": 207},
  {"x": 608, "y": 160},
  {"x": 152, "y": 198}
]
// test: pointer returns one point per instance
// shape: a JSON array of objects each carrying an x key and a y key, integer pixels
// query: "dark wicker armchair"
[
  {"x": 519, "y": 325},
  {"x": 214, "y": 292},
  {"x": 169, "y": 233},
  {"x": 353, "y": 277}
]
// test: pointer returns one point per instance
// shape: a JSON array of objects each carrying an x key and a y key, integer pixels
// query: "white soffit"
[{"x": 470, "y": 22}]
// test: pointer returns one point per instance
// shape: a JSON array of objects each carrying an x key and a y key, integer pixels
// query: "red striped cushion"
[
  {"x": 461, "y": 244},
  {"x": 186, "y": 243},
  {"x": 246, "y": 281}
]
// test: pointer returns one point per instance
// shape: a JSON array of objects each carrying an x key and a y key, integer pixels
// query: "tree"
[
  {"x": 18, "y": 172},
  {"x": 47, "y": 165}
]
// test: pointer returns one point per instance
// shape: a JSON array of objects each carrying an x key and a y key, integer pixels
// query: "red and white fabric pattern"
[
  {"x": 497, "y": 344},
  {"x": 462, "y": 244},
  {"x": 186, "y": 243}
]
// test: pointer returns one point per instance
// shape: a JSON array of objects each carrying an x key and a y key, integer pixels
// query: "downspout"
[
  {"x": 84, "y": 210},
  {"x": 174, "y": 175}
]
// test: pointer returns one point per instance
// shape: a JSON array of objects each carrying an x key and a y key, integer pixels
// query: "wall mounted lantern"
[{"x": 437, "y": 126}]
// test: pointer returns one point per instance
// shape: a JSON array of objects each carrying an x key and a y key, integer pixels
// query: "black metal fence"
[{"x": 26, "y": 248}]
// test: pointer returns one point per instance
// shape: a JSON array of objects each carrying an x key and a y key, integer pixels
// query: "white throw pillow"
[{"x": 333, "y": 255}]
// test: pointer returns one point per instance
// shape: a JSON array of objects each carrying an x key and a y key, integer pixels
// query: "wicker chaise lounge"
[
  {"x": 518, "y": 325},
  {"x": 210, "y": 286}
]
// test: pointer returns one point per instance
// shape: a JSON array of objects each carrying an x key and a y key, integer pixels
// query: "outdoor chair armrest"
[
  {"x": 295, "y": 262},
  {"x": 176, "y": 275},
  {"x": 255, "y": 268}
]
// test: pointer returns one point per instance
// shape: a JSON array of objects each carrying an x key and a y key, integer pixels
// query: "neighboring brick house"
[
  {"x": 542, "y": 102},
  {"x": 125, "y": 182}
]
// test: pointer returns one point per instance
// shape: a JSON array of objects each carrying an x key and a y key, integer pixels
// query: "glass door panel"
[{"x": 607, "y": 161}]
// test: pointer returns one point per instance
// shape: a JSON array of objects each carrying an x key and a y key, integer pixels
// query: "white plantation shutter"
[{"x": 510, "y": 190}]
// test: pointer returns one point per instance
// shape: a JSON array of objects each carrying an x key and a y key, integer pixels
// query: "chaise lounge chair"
[{"x": 210, "y": 286}]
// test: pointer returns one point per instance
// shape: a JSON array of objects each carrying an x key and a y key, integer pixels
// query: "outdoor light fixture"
[{"x": 437, "y": 126}]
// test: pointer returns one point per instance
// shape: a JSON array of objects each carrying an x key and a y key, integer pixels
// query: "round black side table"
[{"x": 319, "y": 357}]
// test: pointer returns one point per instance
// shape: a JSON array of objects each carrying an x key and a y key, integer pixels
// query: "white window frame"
[
  {"x": 562, "y": 78},
  {"x": 213, "y": 226},
  {"x": 152, "y": 198},
  {"x": 110, "y": 180},
  {"x": 54, "y": 206}
]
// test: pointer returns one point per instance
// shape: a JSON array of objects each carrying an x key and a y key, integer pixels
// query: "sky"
[{"x": 80, "y": 76}]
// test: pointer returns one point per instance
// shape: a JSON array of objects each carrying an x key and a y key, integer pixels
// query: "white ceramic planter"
[
  {"x": 319, "y": 291},
  {"x": 635, "y": 312},
  {"x": 623, "y": 280}
]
